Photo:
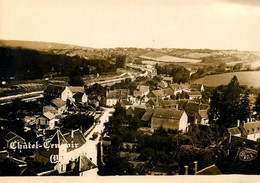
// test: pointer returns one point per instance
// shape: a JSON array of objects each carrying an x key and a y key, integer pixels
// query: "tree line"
[
  {"x": 31, "y": 64},
  {"x": 229, "y": 104}
]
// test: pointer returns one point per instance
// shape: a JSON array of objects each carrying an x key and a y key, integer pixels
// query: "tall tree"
[
  {"x": 244, "y": 107},
  {"x": 231, "y": 101},
  {"x": 226, "y": 105},
  {"x": 215, "y": 107},
  {"x": 257, "y": 104},
  {"x": 120, "y": 61}
]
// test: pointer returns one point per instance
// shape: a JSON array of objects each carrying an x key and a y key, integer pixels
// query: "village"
[{"x": 146, "y": 124}]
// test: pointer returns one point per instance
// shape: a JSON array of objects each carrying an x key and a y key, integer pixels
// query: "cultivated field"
[
  {"x": 160, "y": 57},
  {"x": 250, "y": 78}
]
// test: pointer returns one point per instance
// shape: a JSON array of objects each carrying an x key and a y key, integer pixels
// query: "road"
[{"x": 92, "y": 144}]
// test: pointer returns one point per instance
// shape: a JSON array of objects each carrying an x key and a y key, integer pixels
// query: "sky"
[{"x": 213, "y": 24}]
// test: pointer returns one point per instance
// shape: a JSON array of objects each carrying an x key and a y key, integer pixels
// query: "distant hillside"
[
  {"x": 244, "y": 78},
  {"x": 35, "y": 45},
  {"x": 161, "y": 57}
]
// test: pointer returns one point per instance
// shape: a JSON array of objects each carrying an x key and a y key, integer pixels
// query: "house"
[
  {"x": 128, "y": 146},
  {"x": 163, "y": 93},
  {"x": 197, "y": 113},
  {"x": 162, "y": 84},
  {"x": 62, "y": 148},
  {"x": 3, "y": 155},
  {"x": 94, "y": 102},
  {"x": 168, "y": 103},
  {"x": 57, "y": 91},
  {"x": 114, "y": 96},
  {"x": 59, "y": 105},
  {"x": 169, "y": 119},
  {"x": 210, "y": 170},
  {"x": 147, "y": 115},
  {"x": 47, "y": 120},
  {"x": 125, "y": 104},
  {"x": 51, "y": 109},
  {"x": 175, "y": 87},
  {"x": 141, "y": 91},
  {"x": 185, "y": 87},
  {"x": 194, "y": 95},
  {"x": 167, "y": 79},
  {"x": 77, "y": 89},
  {"x": 130, "y": 111},
  {"x": 249, "y": 130},
  {"x": 197, "y": 87},
  {"x": 241, "y": 155},
  {"x": 80, "y": 97},
  {"x": 11, "y": 138},
  {"x": 145, "y": 131}
]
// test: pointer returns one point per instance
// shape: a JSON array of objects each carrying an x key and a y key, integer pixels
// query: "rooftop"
[{"x": 169, "y": 113}]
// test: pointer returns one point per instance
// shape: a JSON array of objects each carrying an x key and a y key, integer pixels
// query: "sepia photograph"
[{"x": 130, "y": 91}]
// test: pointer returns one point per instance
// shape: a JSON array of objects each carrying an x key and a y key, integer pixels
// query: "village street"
[{"x": 92, "y": 144}]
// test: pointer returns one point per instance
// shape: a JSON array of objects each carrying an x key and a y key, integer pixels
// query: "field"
[
  {"x": 160, "y": 57},
  {"x": 251, "y": 78}
]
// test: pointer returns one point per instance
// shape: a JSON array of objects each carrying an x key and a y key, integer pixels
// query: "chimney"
[
  {"x": 195, "y": 167},
  {"x": 186, "y": 169},
  {"x": 244, "y": 123},
  {"x": 238, "y": 123},
  {"x": 72, "y": 133},
  {"x": 247, "y": 120}
]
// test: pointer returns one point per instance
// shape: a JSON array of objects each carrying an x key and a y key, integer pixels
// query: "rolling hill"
[
  {"x": 251, "y": 78},
  {"x": 35, "y": 45}
]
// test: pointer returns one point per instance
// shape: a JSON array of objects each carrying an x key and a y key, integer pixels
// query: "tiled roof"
[
  {"x": 167, "y": 78},
  {"x": 167, "y": 91},
  {"x": 234, "y": 130},
  {"x": 50, "y": 109},
  {"x": 204, "y": 106},
  {"x": 78, "y": 95},
  {"x": 58, "y": 138},
  {"x": 129, "y": 156},
  {"x": 175, "y": 86},
  {"x": 252, "y": 127},
  {"x": 142, "y": 88},
  {"x": 194, "y": 93},
  {"x": 85, "y": 163},
  {"x": 55, "y": 89},
  {"x": 158, "y": 93},
  {"x": 137, "y": 93},
  {"x": 203, "y": 114},
  {"x": 151, "y": 102},
  {"x": 148, "y": 115},
  {"x": 185, "y": 86},
  {"x": 77, "y": 138},
  {"x": 11, "y": 135},
  {"x": 210, "y": 170},
  {"x": 76, "y": 89},
  {"x": 58, "y": 102},
  {"x": 118, "y": 94},
  {"x": 126, "y": 102},
  {"x": 141, "y": 106},
  {"x": 169, "y": 113},
  {"x": 162, "y": 92},
  {"x": 195, "y": 86},
  {"x": 162, "y": 84},
  {"x": 49, "y": 115}
]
